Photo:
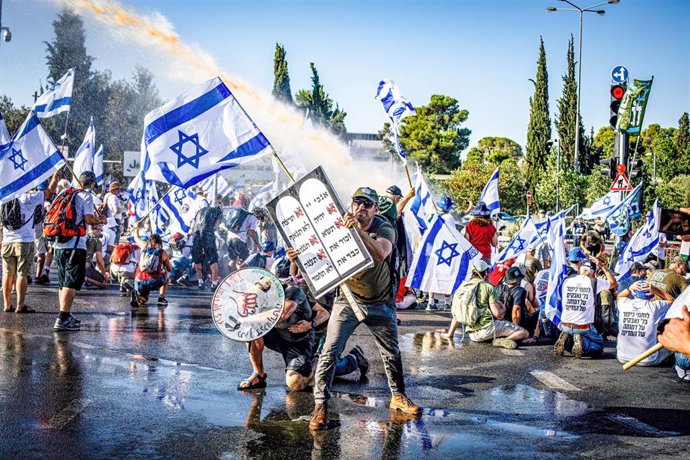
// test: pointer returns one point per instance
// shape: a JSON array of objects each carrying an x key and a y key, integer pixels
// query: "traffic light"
[
  {"x": 611, "y": 170},
  {"x": 617, "y": 92},
  {"x": 636, "y": 169}
]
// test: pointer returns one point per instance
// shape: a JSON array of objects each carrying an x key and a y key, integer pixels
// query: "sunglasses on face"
[{"x": 363, "y": 202}]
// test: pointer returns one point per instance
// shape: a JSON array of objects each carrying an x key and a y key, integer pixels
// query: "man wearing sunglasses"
[{"x": 374, "y": 291}]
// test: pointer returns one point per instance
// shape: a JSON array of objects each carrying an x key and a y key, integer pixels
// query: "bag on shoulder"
[
  {"x": 122, "y": 253},
  {"x": 60, "y": 222},
  {"x": 236, "y": 219},
  {"x": 11, "y": 215},
  {"x": 150, "y": 260},
  {"x": 464, "y": 307}
]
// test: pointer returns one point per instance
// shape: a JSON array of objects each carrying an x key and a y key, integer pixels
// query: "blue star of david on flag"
[
  {"x": 518, "y": 244},
  {"x": 453, "y": 253},
  {"x": 607, "y": 200},
  {"x": 178, "y": 147},
  {"x": 17, "y": 159},
  {"x": 180, "y": 195}
]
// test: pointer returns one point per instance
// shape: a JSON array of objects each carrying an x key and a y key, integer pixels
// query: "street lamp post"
[
  {"x": 582, "y": 12},
  {"x": 4, "y": 31},
  {"x": 558, "y": 174}
]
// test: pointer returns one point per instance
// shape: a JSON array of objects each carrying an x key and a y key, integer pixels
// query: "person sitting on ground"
[
  {"x": 263, "y": 259},
  {"x": 518, "y": 309},
  {"x": 578, "y": 294},
  {"x": 108, "y": 240},
  {"x": 639, "y": 318},
  {"x": 671, "y": 280},
  {"x": 638, "y": 272},
  {"x": 180, "y": 248},
  {"x": 123, "y": 265},
  {"x": 481, "y": 232},
  {"x": 532, "y": 265},
  {"x": 151, "y": 272},
  {"x": 489, "y": 325},
  {"x": 94, "y": 258}
]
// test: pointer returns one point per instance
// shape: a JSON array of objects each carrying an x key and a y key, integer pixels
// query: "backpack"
[
  {"x": 377, "y": 222},
  {"x": 256, "y": 260},
  {"x": 11, "y": 215},
  {"x": 236, "y": 219},
  {"x": 60, "y": 224},
  {"x": 150, "y": 260},
  {"x": 38, "y": 215},
  {"x": 464, "y": 307},
  {"x": 122, "y": 253},
  {"x": 502, "y": 292}
]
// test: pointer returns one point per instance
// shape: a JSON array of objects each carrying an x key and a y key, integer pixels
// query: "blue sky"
[{"x": 479, "y": 52}]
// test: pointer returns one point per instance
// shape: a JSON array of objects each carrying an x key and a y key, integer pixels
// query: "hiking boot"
[
  {"x": 559, "y": 346},
  {"x": 78, "y": 321},
  {"x": 133, "y": 301},
  {"x": 319, "y": 417},
  {"x": 502, "y": 342},
  {"x": 162, "y": 301},
  {"x": 577, "y": 346},
  {"x": 402, "y": 403},
  {"x": 68, "y": 324},
  {"x": 362, "y": 361}
]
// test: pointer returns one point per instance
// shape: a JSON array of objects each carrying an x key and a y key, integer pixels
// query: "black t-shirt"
[
  {"x": 301, "y": 313},
  {"x": 206, "y": 219}
]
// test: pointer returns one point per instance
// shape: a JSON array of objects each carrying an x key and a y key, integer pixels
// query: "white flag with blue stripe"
[
  {"x": 557, "y": 273},
  {"x": 520, "y": 242},
  {"x": 4, "y": 134},
  {"x": 57, "y": 98},
  {"x": 552, "y": 233},
  {"x": 642, "y": 243},
  {"x": 619, "y": 217},
  {"x": 98, "y": 165},
  {"x": 224, "y": 189},
  {"x": 29, "y": 159},
  {"x": 397, "y": 108},
  {"x": 83, "y": 159},
  {"x": 682, "y": 301},
  {"x": 490, "y": 193},
  {"x": 198, "y": 134},
  {"x": 442, "y": 261},
  {"x": 140, "y": 191},
  {"x": 603, "y": 206},
  {"x": 180, "y": 207}
]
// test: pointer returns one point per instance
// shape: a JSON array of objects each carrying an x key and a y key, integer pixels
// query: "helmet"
[{"x": 445, "y": 203}]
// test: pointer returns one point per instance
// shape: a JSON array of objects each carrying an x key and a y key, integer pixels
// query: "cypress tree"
[
  {"x": 539, "y": 128},
  {"x": 281, "y": 77},
  {"x": 567, "y": 114}
]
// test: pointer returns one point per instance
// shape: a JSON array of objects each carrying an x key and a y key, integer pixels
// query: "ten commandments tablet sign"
[{"x": 309, "y": 217}]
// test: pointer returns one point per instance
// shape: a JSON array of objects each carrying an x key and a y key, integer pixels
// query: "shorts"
[
  {"x": 71, "y": 265},
  {"x": 94, "y": 274},
  {"x": 204, "y": 248},
  {"x": 297, "y": 355},
  {"x": 503, "y": 329},
  {"x": 41, "y": 245},
  {"x": 144, "y": 287},
  {"x": 237, "y": 249},
  {"x": 17, "y": 257}
]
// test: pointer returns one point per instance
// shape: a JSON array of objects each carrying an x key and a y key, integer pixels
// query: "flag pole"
[
  {"x": 62, "y": 150},
  {"x": 409, "y": 179},
  {"x": 282, "y": 165}
]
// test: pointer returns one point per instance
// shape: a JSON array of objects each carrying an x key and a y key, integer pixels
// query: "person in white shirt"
[
  {"x": 114, "y": 206},
  {"x": 578, "y": 301},
  {"x": 108, "y": 239},
  {"x": 18, "y": 244},
  {"x": 639, "y": 317}
]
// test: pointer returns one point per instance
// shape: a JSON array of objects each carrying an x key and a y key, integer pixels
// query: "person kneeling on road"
[
  {"x": 152, "y": 270},
  {"x": 486, "y": 327}
]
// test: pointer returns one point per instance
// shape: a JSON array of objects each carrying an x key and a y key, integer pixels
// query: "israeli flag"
[
  {"x": 490, "y": 193},
  {"x": 198, "y": 134},
  {"x": 180, "y": 208},
  {"x": 619, "y": 217},
  {"x": 520, "y": 242},
  {"x": 4, "y": 134},
  {"x": 603, "y": 206},
  {"x": 682, "y": 301},
  {"x": 442, "y": 261},
  {"x": 140, "y": 190},
  {"x": 29, "y": 159},
  {"x": 397, "y": 108},
  {"x": 642, "y": 243},
  {"x": 552, "y": 233},
  {"x": 262, "y": 196},
  {"x": 57, "y": 98},
  {"x": 224, "y": 188},
  {"x": 98, "y": 165},
  {"x": 83, "y": 159},
  {"x": 558, "y": 272},
  {"x": 416, "y": 218}
]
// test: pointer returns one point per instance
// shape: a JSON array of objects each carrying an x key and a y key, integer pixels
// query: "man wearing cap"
[
  {"x": 672, "y": 279},
  {"x": 638, "y": 272},
  {"x": 114, "y": 207},
  {"x": 519, "y": 310},
  {"x": 489, "y": 325},
  {"x": 639, "y": 318},
  {"x": 374, "y": 293},
  {"x": 578, "y": 302}
]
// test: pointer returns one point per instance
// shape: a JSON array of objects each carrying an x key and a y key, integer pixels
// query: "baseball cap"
[
  {"x": 588, "y": 264},
  {"x": 394, "y": 190},
  {"x": 576, "y": 255},
  {"x": 479, "y": 266},
  {"x": 514, "y": 275},
  {"x": 368, "y": 193}
]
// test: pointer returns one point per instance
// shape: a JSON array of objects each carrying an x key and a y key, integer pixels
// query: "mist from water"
[{"x": 282, "y": 125}]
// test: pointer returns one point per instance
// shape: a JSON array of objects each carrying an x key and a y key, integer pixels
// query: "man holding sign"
[{"x": 374, "y": 293}]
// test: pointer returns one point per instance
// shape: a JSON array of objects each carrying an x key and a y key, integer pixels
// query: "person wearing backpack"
[
  {"x": 263, "y": 259},
  {"x": 152, "y": 270},
  {"x": 123, "y": 265},
  {"x": 18, "y": 243},
  {"x": 65, "y": 223}
]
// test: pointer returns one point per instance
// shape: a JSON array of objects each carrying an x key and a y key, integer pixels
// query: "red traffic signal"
[{"x": 617, "y": 93}]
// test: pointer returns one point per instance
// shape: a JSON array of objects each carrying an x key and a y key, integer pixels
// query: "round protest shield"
[{"x": 247, "y": 304}]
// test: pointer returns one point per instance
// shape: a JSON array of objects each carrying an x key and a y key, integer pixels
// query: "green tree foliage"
[
  {"x": 281, "y": 77},
  {"x": 604, "y": 140},
  {"x": 434, "y": 136},
  {"x": 320, "y": 106},
  {"x": 656, "y": 139},
  {"x": 13, "y": 116},
  {"x": 681, "y": 146},
  {"x": 539, "y": 127},
  {"x": 592, "y": 154},
  {"x": 567, "y": 113},
  {"x": 573, "y": 187},
  {"x": 498, "y": 149},
  {"x": 598, "y": 186},
  {"x": 675, "y": 193}
]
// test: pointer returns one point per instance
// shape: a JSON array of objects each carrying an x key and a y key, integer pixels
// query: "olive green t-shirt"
[
  {"x": 485, "y": 297},
  {"x": 373, "y": 285},
  {"x": 668, "y": 281}
]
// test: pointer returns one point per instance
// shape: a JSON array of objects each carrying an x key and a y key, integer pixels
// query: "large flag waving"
[
  {"x": 442, "y": 260},
  {"x": 29, "y": 159},
  {"x": 603, "y": 206},
  {"x": 140, "y": 191},
  {"x": 201, "y": 132},
  {"x": 558, "y": 272},
  {"x": 181, "y": 207},
  {"x": 83, "y": 159},
  {"x": 4, "y": 134},
  {"x": 98, "y": 165},
  {"x": 619, "y": 217},
  {"x": 521, "y": 241},
  {"x": 490, "y": 193},
  {"x": 57, "y": 98},
  {"x": 397, "y": 108},
  {"x": 642, "y": 243}
]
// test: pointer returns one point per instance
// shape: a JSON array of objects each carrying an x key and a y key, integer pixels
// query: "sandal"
[
  {"x": 9, "y": 310},
  {"x": 25, "y": 309},
  {"x": 249, "y": 382}
]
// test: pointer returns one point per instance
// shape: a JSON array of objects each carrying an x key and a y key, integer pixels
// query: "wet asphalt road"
[{"x": 160, "y": 383}]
